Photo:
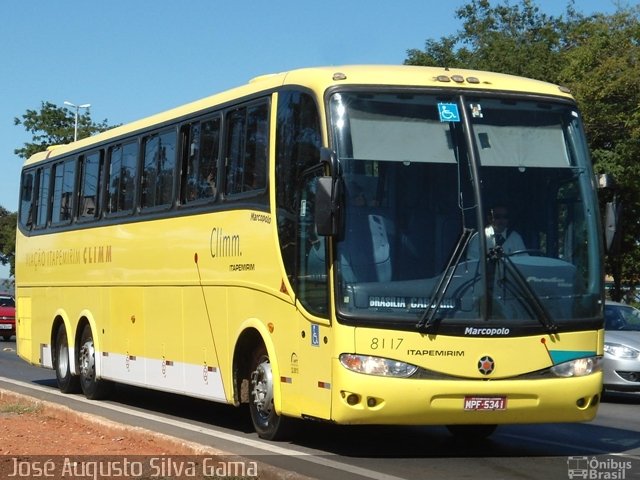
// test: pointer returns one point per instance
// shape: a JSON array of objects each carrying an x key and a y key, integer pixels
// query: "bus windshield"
[{"x": 420, "y": 169}]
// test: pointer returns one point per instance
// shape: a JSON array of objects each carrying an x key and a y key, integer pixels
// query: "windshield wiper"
[
  {"x": 428, "y": 320},
  {"x": 524, "y": 290}
]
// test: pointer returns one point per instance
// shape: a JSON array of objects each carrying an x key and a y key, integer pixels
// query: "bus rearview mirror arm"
[
  {"x": 329, "y": 195},
  {"x": 329, "y": 160}
]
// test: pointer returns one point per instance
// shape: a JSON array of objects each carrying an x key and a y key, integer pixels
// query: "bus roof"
[{"x": 321, "y": 78}]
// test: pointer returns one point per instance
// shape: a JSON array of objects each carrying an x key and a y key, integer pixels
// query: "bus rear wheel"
[
  {"x": 92, "y": 387},
  {"x": 267, "y": 423},
  {"x": 67, "y": 383}
]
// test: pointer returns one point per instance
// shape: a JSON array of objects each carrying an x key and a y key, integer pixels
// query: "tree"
[
  {"x": 7, "y": 238},
  {"x": 602, "y": 69},
  {"x": 54, "y": 125},
  {"x": 597, "y": 57},
  {"x": 516, "y": 39}
]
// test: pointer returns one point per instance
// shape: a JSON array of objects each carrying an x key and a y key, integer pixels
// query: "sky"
[{"x": 133, "y": 58}]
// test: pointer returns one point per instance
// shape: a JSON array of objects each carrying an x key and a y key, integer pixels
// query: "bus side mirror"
[
  {"x": 329, "y": 206},
  {"x": 612, "y": 227},
  {"x": 612, "y": 214}
]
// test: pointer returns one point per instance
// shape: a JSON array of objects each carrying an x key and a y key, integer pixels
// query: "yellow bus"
[{"x": 321, "y": 244}]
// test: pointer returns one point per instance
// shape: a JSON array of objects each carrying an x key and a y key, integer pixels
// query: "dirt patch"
[
  {"x": 35, "y": 427},
  {"x": 33, "y": 432}
]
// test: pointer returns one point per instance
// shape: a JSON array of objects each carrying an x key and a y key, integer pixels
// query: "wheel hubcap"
[
  {"x": 87, "y": 362},
  {"x": 262, "y": 392}
]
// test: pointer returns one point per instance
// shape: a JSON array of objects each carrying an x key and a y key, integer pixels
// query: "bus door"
[{"x": 312, "y": 299}]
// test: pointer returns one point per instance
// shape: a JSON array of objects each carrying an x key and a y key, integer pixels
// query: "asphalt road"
[{"x": 608, "y": 447}]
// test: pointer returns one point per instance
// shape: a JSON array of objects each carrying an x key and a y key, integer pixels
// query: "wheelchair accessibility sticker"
[
  {"x": 315, "y": 335},
  {"x": 448, "y": 112}
]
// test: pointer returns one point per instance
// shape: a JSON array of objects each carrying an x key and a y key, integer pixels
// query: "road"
[{"x": 383, "y": 453}]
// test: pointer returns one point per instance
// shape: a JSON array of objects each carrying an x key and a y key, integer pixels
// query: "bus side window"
[
  {"x": 209, "y": 153},
  {"x": 159, "y": 164},
  {"x": 246, "y": 149},
  {"x": 257, "y": 143},
  {"x": 123, "y": 167},
  {"x": 27, "y": 199},
  {"x": 312, "y": 286},
  {"x": 200, "y": 154},
  {"x": 297, "y": 141},
  {"x": 63, "y": 188},
  {"x": 42, "y": 208},
  {"x": 90, "y": 186},
  {"x": 235, "y": 148}
]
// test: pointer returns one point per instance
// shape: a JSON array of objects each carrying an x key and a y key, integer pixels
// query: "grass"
[{"x": 19, "y": 408}]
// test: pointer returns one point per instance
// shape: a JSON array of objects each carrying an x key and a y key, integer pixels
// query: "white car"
[{"x": 621, "y": 347}]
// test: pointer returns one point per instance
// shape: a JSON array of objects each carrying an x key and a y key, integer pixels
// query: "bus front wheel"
[
  {"x": 92, "y": 387},
  {"x": 67, "y": 383},
  {"x": 267, "y": 423}
]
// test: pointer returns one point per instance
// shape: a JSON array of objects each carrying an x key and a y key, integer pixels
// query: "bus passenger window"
[
  {"x": 256, "y": 147},
  {"x": 234, "y": 167},
  {"x": 123, "y": 165},
  {"x": 158, "y": 169},
  {"x": 44, "y": 181},
  {"x": 200, "y": 160},
  {"x": 27, "y": 200},
  {"x": 246, "y": 150},
  {"x": 209, "y": 149},
  {"x": 91, "y": 166},
  {"x": 63, "y": 188}
]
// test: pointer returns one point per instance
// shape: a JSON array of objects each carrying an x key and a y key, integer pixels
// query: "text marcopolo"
[{"x": 490, "y": 332}]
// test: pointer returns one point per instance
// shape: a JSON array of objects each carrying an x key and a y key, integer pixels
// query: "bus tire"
[
  {"x": 92, "y": 387},
  {"x": 267, "y": 423},
  {"x": 67, "y": 383}
]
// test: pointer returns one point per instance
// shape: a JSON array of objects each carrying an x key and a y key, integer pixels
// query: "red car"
[{"x": 7, "y": 316}]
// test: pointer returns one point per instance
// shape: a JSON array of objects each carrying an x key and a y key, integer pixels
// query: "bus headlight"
[
  {"x": 383, "y": 367},
  {"x": 578, "y": 368},
  {"x": 620, "y": 351}
]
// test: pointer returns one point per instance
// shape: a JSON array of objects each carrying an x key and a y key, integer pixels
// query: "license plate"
[
  {"x": 5, "y": 326},
  {"x": 485, "y": 403}
]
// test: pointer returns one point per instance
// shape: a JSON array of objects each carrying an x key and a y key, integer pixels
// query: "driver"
[{"x": 498, "y": 234}]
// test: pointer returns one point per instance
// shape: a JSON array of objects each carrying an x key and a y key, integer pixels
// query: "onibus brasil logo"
[{"x": 597, "y": 468}]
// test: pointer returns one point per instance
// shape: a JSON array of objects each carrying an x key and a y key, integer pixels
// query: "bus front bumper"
[{"x": 368, "y": 399}]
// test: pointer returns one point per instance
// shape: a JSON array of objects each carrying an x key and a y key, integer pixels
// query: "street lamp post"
[{"x": 77, "y": 107}]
